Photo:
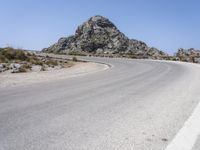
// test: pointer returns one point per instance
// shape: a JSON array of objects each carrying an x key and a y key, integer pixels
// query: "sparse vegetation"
[
  {"x": 24, "y": 68},
  {"x": 52, "y": 62},
  {"x": 74, "y": 59},
  {"x": 132, "y": 56},
  {"x": 76, "y": 53},
  {"x": 10, "y": 54},
  {"x": 17, "y": 55},
  {"x": 35, "y": 61},
  {"x": 17, "y": 60}
]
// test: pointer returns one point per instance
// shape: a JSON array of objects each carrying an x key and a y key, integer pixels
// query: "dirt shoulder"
[{"x": 78, "y": 69}]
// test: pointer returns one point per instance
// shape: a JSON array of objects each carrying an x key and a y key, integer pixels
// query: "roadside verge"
[{"x": 18, "y": 79}]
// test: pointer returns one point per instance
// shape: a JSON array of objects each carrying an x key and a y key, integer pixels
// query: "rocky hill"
[
  {"x": 188, "y": 55},
  {"x": 100, "y": 36}
]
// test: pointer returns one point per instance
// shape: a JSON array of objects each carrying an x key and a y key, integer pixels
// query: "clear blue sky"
[{"x": 165, "y": 24}]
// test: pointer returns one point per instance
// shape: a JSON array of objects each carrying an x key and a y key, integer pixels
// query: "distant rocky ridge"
[
  {"x": 99, "y": 36},
  {"x": 188, "y": 55}
]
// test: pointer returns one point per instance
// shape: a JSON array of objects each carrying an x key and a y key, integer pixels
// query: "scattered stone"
[{"x": 164, "y": 139}]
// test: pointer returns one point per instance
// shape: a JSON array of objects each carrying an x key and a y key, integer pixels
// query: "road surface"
[{"x": 134, "y": 105}]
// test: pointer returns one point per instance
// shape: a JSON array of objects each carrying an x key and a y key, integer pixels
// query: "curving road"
[{"x": 134, "y": 105}]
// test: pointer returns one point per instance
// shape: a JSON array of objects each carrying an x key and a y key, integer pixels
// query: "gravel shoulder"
[{"x": 78, "y": 69}]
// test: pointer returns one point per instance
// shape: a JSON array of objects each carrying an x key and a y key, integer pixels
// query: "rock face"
[
  {"x": 100, "y": 36},
  {"x": 188, "y": 55}
]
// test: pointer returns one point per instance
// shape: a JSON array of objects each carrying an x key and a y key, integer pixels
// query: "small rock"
[
  {"x": 99, "y": 50},
  {"x": 14, "y": 65},
  {"x": 36, "y": 68},
  {"x": 2, "y": 68},
  {"x": 15, "y": 70},
  {"x": 164, "y": 139}
]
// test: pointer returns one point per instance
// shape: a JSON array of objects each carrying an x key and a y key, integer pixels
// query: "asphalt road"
[{"x": 134, "y": 105}]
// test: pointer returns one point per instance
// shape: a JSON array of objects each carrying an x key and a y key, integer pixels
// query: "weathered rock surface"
[
  {"x": 36, "y": 68},
  {"x": 2, "y": 67},
  {"x": 100, "y": 36},
  {"x": 188, "y": 55}
]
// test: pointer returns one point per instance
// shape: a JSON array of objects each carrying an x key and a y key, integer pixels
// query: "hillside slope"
[{"x": 100, "y": 36}]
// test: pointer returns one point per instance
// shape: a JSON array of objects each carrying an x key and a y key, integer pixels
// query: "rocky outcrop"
[
  {"x": 188, "y": 55},
  {"x": 100, "y": 36}
]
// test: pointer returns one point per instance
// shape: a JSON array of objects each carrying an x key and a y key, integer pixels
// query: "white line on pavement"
[{"x": 188, "y": 134}]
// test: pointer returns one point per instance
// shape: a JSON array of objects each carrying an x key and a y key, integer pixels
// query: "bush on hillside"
[
  {"x": 74, "y": 59},
  {"x": 9, "y": 54}
]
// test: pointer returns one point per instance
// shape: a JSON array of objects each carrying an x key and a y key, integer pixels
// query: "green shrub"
[
  {"x": 76, "y": 53},
  {"x": 20, "y": 55},
  {"x": 133, "y": 56},
  {"x": 2, "y": 58},
  {"x": 35, "y": 61},
  {"x": 24, "y": 68},
  {"x": 13, "y": 54},
  {"x": 52, "y": 62}
]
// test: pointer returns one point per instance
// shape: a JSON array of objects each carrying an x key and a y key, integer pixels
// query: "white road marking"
[{"x": 188, "y": 134}]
